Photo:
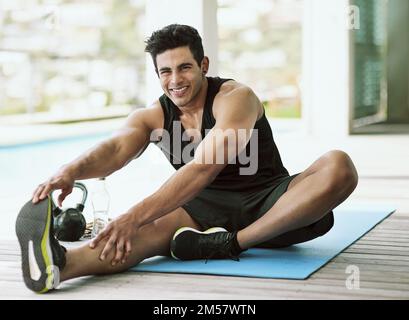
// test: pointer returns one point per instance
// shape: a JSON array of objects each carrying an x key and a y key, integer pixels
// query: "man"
[{"x": 208, "y": 208}]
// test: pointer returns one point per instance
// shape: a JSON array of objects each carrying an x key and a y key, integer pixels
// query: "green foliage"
[{"x": 289, "y": 111}]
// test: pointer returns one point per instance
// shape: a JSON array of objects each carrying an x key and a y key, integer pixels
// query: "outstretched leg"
[
  {"x": 310, "y": 196},
  {"x": 152, "y": 240},
  {"x": 45, "y": 263}
]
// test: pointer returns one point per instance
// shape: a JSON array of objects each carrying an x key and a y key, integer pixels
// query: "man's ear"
[{"x": 205, "y": 65}]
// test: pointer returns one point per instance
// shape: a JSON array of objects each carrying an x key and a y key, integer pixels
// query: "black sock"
[{"x": 235, "y": 248}]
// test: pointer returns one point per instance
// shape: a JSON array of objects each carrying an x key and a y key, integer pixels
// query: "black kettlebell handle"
[{"x": 80, "y": 206}]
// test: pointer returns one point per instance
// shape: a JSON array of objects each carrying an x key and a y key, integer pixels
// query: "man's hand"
[
  {"x": 119, "y": 233},
  {"x": 61, "y": 180}
]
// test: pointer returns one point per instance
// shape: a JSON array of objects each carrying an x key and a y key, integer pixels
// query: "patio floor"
[{"x": 382, "y": 256}]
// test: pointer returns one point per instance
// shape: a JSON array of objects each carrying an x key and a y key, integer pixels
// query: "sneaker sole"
[
  {"x": 33, "y": 233},
  {"x": 183, "y": 229}
]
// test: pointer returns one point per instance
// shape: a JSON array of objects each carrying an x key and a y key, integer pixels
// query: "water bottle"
[{"x": 100, "y": 204}]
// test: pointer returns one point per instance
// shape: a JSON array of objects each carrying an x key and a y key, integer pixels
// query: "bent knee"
[{"x": 341, "y": 171}]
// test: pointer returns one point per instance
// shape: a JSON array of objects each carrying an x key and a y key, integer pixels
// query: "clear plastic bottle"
[{"x": 100, "y": 203}]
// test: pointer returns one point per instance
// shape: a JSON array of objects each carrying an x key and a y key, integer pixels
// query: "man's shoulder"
[
  {"x": 232, "y": 89},
  {"x": 231, "y": 92},
  {"x": 229, "y": 86},
  {"x": 152, "y": 117}
]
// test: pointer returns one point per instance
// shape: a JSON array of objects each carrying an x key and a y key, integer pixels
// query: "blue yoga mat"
[{"x": 295, "y": 262}]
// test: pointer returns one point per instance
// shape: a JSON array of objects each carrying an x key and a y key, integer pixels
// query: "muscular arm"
[
  {"x": 111, "y": 155},
  {"x": 239, "y": 111},
  {"x": 105, "y": 158}
]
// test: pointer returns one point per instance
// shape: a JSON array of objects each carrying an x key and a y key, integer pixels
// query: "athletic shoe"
[
  {"x": 214, "y": 243},
  {"x": 42, "y": 256}
]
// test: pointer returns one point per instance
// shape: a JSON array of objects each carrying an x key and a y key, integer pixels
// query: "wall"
[{"x": 326, "y": 77}]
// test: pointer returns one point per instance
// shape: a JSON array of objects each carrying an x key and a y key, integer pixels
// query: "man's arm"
[
  {"x": 126, "y": 144},
  {"x": 239, "y": 112},
  {"x": 106, "y": 157}
]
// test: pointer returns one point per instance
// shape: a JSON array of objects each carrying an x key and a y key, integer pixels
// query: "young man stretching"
[{"x": 256, "y": 204}]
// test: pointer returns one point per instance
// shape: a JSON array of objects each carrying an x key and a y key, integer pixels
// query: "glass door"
[{"x": 369, "y": 64}]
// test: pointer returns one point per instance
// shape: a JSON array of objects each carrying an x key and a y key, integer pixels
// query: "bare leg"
[
  {"x": 311, "y": 195},
  {"x": 153, "y": 239}
]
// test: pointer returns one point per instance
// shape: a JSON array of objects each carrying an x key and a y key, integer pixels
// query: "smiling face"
[{"x": 180, "y": 76}]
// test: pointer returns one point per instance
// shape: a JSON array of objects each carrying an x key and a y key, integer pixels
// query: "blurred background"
[
  {"x": 84, "y": 58},
  {"x": 331, "y": 75}
]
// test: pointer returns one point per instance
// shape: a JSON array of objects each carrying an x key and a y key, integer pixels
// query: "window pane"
[
  {"x": 71, "y": 57},
  {"x": 260, "y": 45}
]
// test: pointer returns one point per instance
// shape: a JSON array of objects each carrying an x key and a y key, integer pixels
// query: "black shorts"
[{"x": 234, "y": 211}]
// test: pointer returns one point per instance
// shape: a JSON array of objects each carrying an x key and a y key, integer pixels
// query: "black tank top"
[{"x": 270, "y": 167}]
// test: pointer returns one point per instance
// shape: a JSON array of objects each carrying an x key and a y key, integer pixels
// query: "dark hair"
[{"x": 175, "y": 36}]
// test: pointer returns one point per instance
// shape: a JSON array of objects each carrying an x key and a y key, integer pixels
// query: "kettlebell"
[{"x": 70, "y": 224}]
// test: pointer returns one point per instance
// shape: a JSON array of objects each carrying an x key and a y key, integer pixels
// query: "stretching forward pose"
[{"x": 214, "y": 205}]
